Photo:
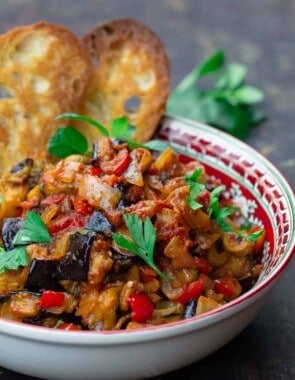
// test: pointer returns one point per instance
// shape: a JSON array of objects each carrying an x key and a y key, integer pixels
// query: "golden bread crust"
[
  {"x": 44, "y": 69},
  {"x": 132, "y": 66}
]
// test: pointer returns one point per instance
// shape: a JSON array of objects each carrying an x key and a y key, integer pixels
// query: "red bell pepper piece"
[
  {"x": 202, "y": 265},
  {"x": 141, "y": 307},
  {"x": 118, "y": 164},
  {"x": 81, "y": 206},
  {"x": 95, "y": 170},
  {"x": 68, "y": 326},
  {"x": 66, "y": 221},
  {"x": 124, "y": 162},
  {"x": 191, "y": 291},
  {"x": 50, "y": 298},
  {"x": 204, "y": 198},
  {"x": 229, "y": 287}
]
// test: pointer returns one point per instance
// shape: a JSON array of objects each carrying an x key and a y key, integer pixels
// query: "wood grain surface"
[{"x": 259, "y": 33}]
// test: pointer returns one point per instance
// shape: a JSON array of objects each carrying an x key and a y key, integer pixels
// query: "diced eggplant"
[
  {"x": 98, "y": 222},
  {"x": 75, "y": 264},
  {"x": 8, "y": 295},
  {"x": 9, "y": 229},
  {"x": 26, "y": 163},
  {"x": 190, "y": 309},
  {"x": 122, "y": 263},
  {"x": 41, "y": 318},
  {"x": 130, "y": 194},
  {"x": 42, "y": 275}
]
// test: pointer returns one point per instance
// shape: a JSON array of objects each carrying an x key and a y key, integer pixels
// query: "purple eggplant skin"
[
  {"x": 75, "y": 264},
  {"x": 190, "y": 309},
  {"x": 9, "y": 229},
  {"x": 42, "y": 275},
  {"x": 26, "y": 163},
  {"x": 98, "y": 222}
]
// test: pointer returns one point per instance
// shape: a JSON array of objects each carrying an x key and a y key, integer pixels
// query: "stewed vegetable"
[{"x": 125, "y": 238}]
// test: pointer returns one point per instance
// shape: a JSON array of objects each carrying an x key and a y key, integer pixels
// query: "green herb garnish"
[
  {"x": 219, "y": 213},
  {"x": 13, "y": 259},
  {"x": 228, "y": 104},
  {"x": 68, "y": 140},
  {"x": 195, "y": 188},
  {"x": 255, "y": 235},
  {"x": 143, "y": 236},
  {"x": 32, "y": 231},
  {"x": 76, "y": 116},
  {"x": 121, "y": 129}
]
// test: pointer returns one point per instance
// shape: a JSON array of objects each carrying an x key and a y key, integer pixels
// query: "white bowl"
[{"x": 133, "y": 354}]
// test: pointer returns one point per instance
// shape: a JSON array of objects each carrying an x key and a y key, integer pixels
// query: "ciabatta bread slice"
[
  {"x": 132, "y": 77},
  {"x": 44, "y": 69}
]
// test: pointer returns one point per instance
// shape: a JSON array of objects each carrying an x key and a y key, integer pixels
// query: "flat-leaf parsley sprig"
[
  {"x": 143, "y": 235},
  {"x": 68, "y": 140},
  {"x": 219, "y": 214},
  {"x": 195, "y": 188},
  {"x": 13, "y": 259},
  {"x": 33, "y": 230},
  {"x": 227, "y": 104}
]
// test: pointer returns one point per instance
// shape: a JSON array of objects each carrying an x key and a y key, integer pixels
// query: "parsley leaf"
[
  {"x": 143, "y": 241},
  {"x": 32, "y": 231},
  {"x": 219, "y": 213},
  {"x": 195, "y": 188},
  {"x": 255, "y": 235},
  {"x": 228, "y": 105},
  {"x": 121, "y": 129},
  {"x": 67, "y": 141},
  {"x": 13, "y": 259},
  {"x": 76, "y": 116}
]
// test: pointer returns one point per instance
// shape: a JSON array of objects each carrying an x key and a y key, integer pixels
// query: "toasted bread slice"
[
  {"x": 132, "y": 77},
  {"x": 44, "y": 69}
]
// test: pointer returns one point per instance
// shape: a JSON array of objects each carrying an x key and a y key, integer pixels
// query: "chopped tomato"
[
  {"x": 53, "y": 199},
  {"x": 28, "y": 205},
  {"x": 141, "y": 307},
  {"x": 203, "y": 265},
  {"x": 66, "y": 221},
  {"x": 204, "y": 198},
  {"x": 95, "y": 170},
  {"x": 68, "y": 326},
  {"x": 146, "y": 273},
  {"x": 229, "y": 287},
  {"x": 50, "y": 299},
  {"x": 81, "y": 205},
  {"x": 191, "y": 291},
  {"x": 118, "y": 164},
  {"x": 124, "y": 163}
]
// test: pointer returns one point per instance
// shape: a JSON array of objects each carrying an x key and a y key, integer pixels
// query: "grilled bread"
[
  {"x": 132, "y": 77},
  {"x": 44, "y": 69}
]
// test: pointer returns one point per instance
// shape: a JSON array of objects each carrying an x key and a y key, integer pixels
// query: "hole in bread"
[
  {"x": 132, "y": 104},
  {"x": 5, "y": 93}
]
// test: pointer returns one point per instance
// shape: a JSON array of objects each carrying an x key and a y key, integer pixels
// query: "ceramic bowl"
[{"x": 264, "y": 196}]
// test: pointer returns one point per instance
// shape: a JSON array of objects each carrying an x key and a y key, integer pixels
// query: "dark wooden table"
[{"x": 259, "y": 33}]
